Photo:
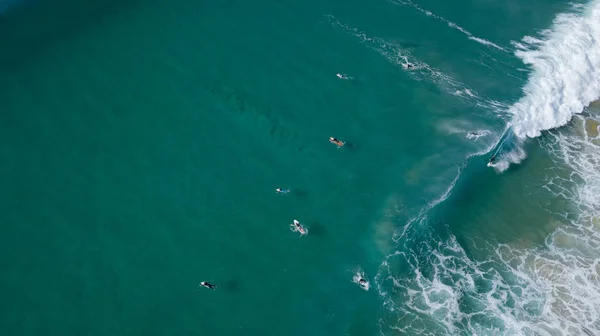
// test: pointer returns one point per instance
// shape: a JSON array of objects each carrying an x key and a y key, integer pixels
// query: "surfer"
[
  {"x": 360, "y": 280},
  {"x": 208, "y": 285},
  {"x": 341, "y": 76},
  {"x": 408, "y": 65},
  {"x": 477, "y": 134},
  {"x": 298, "y": 227},
  {"x": 282, "y": 191},
  {"x": 362, "y": 283},
  {"x": 492, "y": 159},
  {"x": 336, "y": 142}
]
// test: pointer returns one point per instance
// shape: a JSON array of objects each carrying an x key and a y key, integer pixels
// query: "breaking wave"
[
  {"x": 565, "y": 74},
  {"x": 432, "y": 286}
]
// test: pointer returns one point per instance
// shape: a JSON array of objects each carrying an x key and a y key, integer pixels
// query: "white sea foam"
[
  {"x": 467, "y": 92},
  {"x": 449, "y": 23},
  {"x": 565, "y": 74},
  {"x": 550, "y": 291},
  {"x": 436, "y": 288},
  {"x": 565, "y": 77}
]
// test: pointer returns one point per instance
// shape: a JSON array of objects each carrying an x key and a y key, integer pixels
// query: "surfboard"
[
  {"x": 297, "y": 227},
  {"x": 503, "y": 142}
]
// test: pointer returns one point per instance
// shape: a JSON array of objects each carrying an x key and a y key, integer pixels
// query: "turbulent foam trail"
[
  {"x": 422, "y": 216},
  {"x": 566, "y": 72},
  {"x": 449, "y": 23},
  {"x": 395, "y": 54},
  {"x": 551, "y": 291}
]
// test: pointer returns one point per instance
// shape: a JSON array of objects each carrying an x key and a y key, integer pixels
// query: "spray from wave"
[
  {"x": 565, "y": 77},
  {"x": 566, "y": 73}
]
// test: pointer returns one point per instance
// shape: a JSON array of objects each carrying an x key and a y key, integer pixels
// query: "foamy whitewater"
[
  {"x": 565, "y": 78},
  {"x": 548, "y": 290},
  {"x": 565, "y": 72}
]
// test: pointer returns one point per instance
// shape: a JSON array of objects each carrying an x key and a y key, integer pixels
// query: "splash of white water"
[{"x": 566, "y": 72}]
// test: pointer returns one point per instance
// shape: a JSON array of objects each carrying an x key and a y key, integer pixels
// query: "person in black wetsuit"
[
  {"x": 336, "y": 142},
  {"x": 492, "y": 159},
  {"x": 207, "y": 285}
]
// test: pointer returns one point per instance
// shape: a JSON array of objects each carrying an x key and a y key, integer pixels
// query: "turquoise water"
[{"x": 143, "y": 142}]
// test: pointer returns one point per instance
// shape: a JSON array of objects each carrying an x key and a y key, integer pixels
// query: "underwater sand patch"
[{"x": 591, "y": 127}]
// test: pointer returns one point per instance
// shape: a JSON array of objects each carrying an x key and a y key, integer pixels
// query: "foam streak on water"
[
  {"x": 399, "y": 56},
  {"x": 449, "y": 23}
]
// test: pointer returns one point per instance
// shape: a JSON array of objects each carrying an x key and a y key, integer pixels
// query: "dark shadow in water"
[
  {"x": 231, "y": 285},
  {"x": 316, "y": 229},
  {"x": 352, "y": 146},
  {"x": 30, "y": 29},
  {"x": 300, "y": 193}
]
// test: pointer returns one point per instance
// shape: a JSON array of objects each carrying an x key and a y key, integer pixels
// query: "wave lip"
[{"x": 566, "y": 72}]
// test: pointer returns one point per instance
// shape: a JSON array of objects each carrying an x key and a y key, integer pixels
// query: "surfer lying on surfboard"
[
  {"x": 336, "y": 142},
  {"x": 282, "y": 191},
  {"x": 208, "y": 285},
  {"x": 296, "y": 226}
]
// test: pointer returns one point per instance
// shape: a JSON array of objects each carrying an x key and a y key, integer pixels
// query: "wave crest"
[{"x": 566, "y": 72}]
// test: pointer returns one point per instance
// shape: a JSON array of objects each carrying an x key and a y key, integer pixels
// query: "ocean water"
[{"x": 142, "y": 142}]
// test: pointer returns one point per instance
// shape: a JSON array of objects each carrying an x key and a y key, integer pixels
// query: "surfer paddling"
[
  {"x": 336, "y": 142},
  {"x": 208, "y": 285},
  {"x": 360, "y": 280},
  {"x": 297, "y": 227}
]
